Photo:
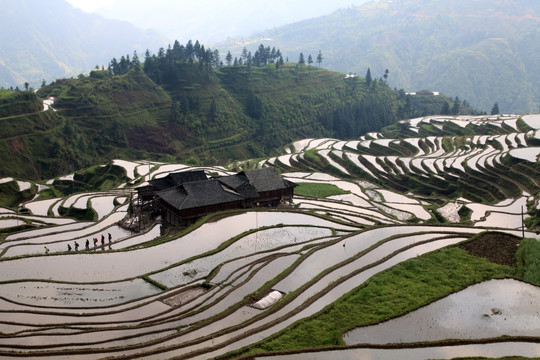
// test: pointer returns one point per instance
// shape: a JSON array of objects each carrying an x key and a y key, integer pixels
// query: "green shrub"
[
  {"x": 528, "y": 259},
  {"x": 318, "y": 190}
]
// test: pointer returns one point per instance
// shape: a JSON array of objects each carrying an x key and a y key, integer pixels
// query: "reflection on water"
[
  {"x": 490, "y": 309},
  {"x": 7, "y": 223},
  {"x": 36, "y": 245},
  {"x": 507, "y": 206},
  {"x": 259, "y": 241},
  {"x": 76, "y": 295},
  {"x": 108, "y": 266},
  {"x": 495, "y": 350},
  {"x": 41, "y": 232},
  {"x": 41, "y": 207},
  {"x": 503, "y": 220},
  {"x": 103, "y": 205}
]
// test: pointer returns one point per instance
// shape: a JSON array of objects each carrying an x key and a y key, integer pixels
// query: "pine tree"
[
  {"x": 319, "y": 58},
  {"x": 197, "y": 50},
  {"x": 114, "y": 66},
  {"x": 456, "y": 107},
  {"x": 368, "y": 77},
  {"x": 216, "y": 61},
  {"x": 445, "y": 110},
  {"x": 309, "y": 61},
  {"x": 273, "y": 56},
  {"x": 495, "y": 109},
  {"x": 301, "y": 59},
  {"x": 189, "y": 51},
  {"x": 263, "y": 56},
  {"x": 228, "y": 58},
  {"x": 135, "y": 62}
]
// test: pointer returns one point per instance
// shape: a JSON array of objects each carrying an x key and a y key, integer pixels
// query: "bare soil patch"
[
  {"x": 497, "y": 247},
  {"x": 185, "y": 296}
]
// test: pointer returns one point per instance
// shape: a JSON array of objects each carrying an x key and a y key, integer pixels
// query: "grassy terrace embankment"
[{"x": 394, "y": 292}]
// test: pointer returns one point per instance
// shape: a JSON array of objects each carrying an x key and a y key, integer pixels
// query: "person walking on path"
[
  {"x": 87, "y": 245},
  {"x": 46, "y": 250},
  {"x": 76, "y": 246},
  {"x": 95, "y": 243},
  {"x": 69, "y": 247},
  {"x": 110, "y": 238}
]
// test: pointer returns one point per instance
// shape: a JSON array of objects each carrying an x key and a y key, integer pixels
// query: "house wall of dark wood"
[
  {"x": 176, "y": 217},
  {"x": 275, "y": 196}
]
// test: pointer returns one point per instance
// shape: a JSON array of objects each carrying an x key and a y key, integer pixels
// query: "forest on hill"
[
  {"x": 484, "y": 51},
  {"x": 182, "y": 104}
]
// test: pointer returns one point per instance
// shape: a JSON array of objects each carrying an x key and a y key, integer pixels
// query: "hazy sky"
[{"x": 211, "y": 20}]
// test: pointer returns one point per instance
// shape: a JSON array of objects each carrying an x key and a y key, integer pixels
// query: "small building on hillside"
[{"x": 181, "y": 198}]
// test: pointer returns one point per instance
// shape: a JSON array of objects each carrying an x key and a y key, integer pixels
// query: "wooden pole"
[{"x": 522, "y": 223}]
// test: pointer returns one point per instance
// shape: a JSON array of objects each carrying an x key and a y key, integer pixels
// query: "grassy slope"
[
  {"x": 101, "y": 117},
  {"x": 16, "y": 103},
  {"x": 394, "y": 292}
]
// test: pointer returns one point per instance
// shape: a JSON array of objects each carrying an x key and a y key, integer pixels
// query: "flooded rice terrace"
[
  {"x": 489, "y": 309},
  {"x": 236, "y": 279}
]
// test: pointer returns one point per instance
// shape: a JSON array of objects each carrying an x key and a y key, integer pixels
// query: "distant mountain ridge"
[
  {"x": 51, "y": 39},
  {"x": 483, "y": 51}
]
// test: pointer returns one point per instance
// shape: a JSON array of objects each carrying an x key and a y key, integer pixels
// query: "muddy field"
[{"x": 495, "y": 246}]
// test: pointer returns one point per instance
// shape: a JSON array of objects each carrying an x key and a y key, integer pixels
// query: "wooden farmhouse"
[{"x": 183, "y": 197}]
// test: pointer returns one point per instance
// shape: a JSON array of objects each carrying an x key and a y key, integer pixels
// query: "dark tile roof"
[
  {"x": 198, "y": 194},
  {"x": 147, "y": 190},
  {"x": 240, "y": 184},
  {"x": 266, "y": 179},
  {"x": 207, "y": 192},
  {"x": 178, "y": 178},
  {"x": 188, "y": 176}
]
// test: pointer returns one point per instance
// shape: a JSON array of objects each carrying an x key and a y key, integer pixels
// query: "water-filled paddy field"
[{"x": 155, "y": 293}]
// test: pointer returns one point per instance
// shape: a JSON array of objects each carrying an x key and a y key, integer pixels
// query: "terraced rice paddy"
[{"x": 236, "y": 279}]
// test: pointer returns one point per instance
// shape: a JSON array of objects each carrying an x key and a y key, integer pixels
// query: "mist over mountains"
[
  {"x": 45, "y": 40},
  {"x": 211, "y": 21},
  {"x": 481, "y": 51}
]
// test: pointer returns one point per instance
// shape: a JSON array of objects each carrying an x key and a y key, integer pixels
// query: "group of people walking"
[
  {"x": 87, "y": 244},
  {"x": 96, "y": 241}
]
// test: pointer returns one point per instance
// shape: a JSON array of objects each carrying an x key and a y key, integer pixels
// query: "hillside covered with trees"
[
  {"x": 183, "y": 104},
  {"x": 484, "y": 51}
]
